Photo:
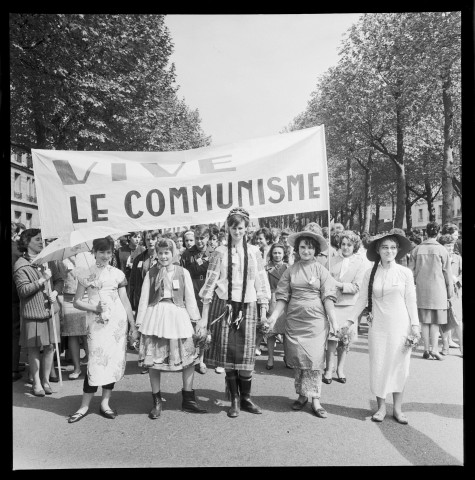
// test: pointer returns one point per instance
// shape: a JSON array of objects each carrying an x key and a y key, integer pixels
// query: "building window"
[
  {"x": 420, "y": 218},
  {"x": 28, "y": 220},
  {"x": 17, "y": 217},
  {"x": 17, "y": 186},
  {"x": 439, "y": 214}
]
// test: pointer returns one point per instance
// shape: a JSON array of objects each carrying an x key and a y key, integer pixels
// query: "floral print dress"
[{"x": 106, "y": 332}]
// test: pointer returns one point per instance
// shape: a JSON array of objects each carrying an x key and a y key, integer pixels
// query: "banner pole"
[
  {"x": 49, "y": 290},
  {"x": 328, "y": 194}
]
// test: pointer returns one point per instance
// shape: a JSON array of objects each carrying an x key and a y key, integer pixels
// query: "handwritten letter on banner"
[{"x": 276, "y": 175}]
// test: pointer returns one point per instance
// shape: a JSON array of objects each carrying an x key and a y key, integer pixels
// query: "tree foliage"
[
  {"x": 384, "y": 107},
  {"x": 91, "y": 82}
]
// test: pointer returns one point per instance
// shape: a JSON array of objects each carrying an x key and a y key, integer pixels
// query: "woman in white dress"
[
  {"x": 389, "y": 291},
  {"x": 108, "y": 309},
  {"x": 348, "y": 270}
]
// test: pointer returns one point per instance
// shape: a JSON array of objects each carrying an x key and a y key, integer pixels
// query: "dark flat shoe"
[
  {"x": 53, "y": 379},
  {"x": 341, "y": 379},
  {"x": 75, "y": 417},
  {"x": 327, "y": 380},
  {"x": 269, "y": 367},
  {"x": 436, "y": 355},
  {"x": 426, "y": 355},
  {"x": 299, "y": 405},
  {"x": 108, "y": 413}
]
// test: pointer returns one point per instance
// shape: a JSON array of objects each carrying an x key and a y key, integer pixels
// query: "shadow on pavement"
[
  {"x": 416, "y": 447},
  {"x": 447, "y": 410}
]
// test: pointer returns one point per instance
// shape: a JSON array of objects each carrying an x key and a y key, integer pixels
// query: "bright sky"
[{"x": 251, "y": 75}]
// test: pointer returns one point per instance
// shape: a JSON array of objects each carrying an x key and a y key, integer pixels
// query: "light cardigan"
[
  {"x": 352, "y": 278},
  {"x": 257, "y": 289}
]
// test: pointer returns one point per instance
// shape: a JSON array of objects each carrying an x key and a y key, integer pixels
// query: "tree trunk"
[
  {"x": 376, "y": 218},
  {"x": 447, "y": 169},
  {"x": 430, "y": 200},
  {"x": 400, "y": 171},
  {"x": 408, "y": 213},
  {"x": 360, "y": 216},
  {"x": 368, "y": 199},
  {"x": 348, "y": 221}
]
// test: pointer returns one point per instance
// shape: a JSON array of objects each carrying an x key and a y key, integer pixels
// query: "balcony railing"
[
  {"x": 17, "y": 195},
  {"x": 31, "y": 198}
]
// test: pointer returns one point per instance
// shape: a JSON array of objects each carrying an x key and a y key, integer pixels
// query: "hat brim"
[
  {"x": 320, "y": 240},
  {"x": 405, "y": 246}
]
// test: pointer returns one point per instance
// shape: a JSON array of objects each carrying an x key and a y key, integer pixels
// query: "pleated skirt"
[{"x": 231, "y": 346}]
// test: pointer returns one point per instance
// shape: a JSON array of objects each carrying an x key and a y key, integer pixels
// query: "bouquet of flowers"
[
  {"x": 202, "y": 342},
  {"x": 411, "y": 342},
  {"x": 345, "y": 336}
]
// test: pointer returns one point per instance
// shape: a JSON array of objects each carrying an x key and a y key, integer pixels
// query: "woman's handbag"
[{"x": 452, "y": 320}]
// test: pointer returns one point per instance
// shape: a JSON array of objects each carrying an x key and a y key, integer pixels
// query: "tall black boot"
[
  {"x": 246, "y": 403},
  {"x": 232, "y": 383},
  {"x": 157, "y": 406},
  {"x": 189, "y": 403}
]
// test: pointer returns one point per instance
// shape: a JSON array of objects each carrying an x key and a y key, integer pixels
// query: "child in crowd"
[
  {"x": 166, "y": 309},
  {"x": 196, "y": 261}
]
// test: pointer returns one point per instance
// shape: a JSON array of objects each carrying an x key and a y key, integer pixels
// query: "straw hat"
[
  {"x": 320, "y": 240},
  {"x": 405, "y": 246}
]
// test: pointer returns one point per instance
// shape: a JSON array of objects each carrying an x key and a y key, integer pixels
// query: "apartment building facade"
[{"x": 24, "y": 207}]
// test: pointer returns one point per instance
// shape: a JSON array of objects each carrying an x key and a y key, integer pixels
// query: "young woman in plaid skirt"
[{"x": 236, "y": 286}]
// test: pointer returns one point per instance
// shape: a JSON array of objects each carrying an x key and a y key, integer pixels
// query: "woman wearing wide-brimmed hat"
[
  {"x": 389, "y": 291},
  {"x": 309, "y": 291}
]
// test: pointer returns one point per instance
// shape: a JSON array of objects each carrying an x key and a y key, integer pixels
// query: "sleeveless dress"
[{"x": 106, "y": 332}]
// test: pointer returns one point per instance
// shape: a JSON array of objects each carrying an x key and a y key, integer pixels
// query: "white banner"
[{"x": 276, "y": 175}]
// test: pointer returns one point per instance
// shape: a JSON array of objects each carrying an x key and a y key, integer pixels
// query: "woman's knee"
[{"x": 48, "y": 349}]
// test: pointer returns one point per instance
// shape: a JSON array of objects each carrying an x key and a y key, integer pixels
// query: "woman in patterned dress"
[
  {"x": 236, "y": 283},
  {"x": 108, "y": 309},
  {"x": 309, "y": 291}
]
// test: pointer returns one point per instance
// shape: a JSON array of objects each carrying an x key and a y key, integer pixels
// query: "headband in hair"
[{"x": 239, "y": 211}]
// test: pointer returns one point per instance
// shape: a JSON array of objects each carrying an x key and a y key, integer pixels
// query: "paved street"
[{"x": 433, "y": 402}]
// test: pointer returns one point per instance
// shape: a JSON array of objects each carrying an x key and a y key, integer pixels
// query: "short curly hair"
[
  {"x": 446, "y": 239},
  {"x": 352, "y": 237}
]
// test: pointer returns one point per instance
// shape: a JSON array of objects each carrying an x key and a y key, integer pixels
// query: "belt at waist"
[
  {"x": 199, "y": 277},
  {"x": 68, "y": 297},
  {"x": 167, "y": 299}
]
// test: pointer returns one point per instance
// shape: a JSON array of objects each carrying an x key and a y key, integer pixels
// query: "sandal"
[
  {"x": 74, "y": 375},
  {"x": 75, "y": 417},
  {"x": 378, "y": 417},
  {"x": 319, "y": 412},
  {"x": 38, "y": 392},
  {"x": 402, "y": 419},
  {"x": 47, "y": 389}
]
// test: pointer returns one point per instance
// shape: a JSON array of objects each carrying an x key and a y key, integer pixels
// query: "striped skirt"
[{"x": 231, "y": 347}]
